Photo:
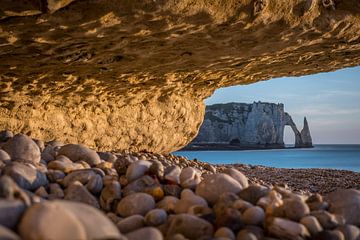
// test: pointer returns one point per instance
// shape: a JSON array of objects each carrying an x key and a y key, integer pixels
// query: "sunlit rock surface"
[
  {"x": 116, "y": 74},
  {"x": 247, "y": 126}
]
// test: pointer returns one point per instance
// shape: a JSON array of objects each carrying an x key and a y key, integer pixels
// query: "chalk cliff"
[
  {"x": 120, "y": 74},
  {"x": 241, "y": 125}
]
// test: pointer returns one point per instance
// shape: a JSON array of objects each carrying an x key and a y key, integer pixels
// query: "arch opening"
[{"x": 289, "y": 137}]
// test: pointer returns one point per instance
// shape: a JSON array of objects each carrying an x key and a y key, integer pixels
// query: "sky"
[{"x": 330, "y": 101}]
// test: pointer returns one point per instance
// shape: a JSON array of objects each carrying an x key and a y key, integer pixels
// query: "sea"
[{"x": 346, "y": 157}]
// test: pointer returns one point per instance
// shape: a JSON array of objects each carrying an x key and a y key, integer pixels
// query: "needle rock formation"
[{"x": 120, "y": 74}]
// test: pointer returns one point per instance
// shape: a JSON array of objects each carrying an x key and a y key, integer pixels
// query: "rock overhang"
[{"x": 132, "y": 74}]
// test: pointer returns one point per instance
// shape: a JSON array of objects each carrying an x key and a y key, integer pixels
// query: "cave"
[{"x": 121, "y": 74}]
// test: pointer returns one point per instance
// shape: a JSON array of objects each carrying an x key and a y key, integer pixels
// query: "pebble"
[
  {"x": 253, "y": 216},
  {"x": 241, "y": 205},
  {"x": 172, "y": 174},
  {"x": 350, "y": 232},
  {"x": 11, "y": 212},
  {"x": 286, "y": 229},
  {"x": 225, "y": 232},
  {"x": 55, "y": 175},
  {"x": 89, "y": 178},
  {"x": 346, "y": 203},
  {"x": 329, "y": 235},
  {"x": 137, "y": 169},
  {"x": 64, "y": 164},
  {"x": 155, "y": 217},
  {"x": 246, "y": 235},
  {"x": 326, "y": 219},
  {"x": 295, "y": 209},
  {"x": 79, "y": 193},
  {"x": 78, "y": 152},
  {"x": 131, "y": 223},
  {"x": 215, "y": 184},
  {"x": 148, "y": 233},
  {"x": 253, "y": 193},
  {"x": 121, "y": 164},
  {"x": 107, "y": 156},
  {"x": 172, "y": 190},
  {"x": 189, "y": 226},
  {"x": 188, "y": 199},
  {"x": 22, "y": 147},
  {"x": 66, "y": 220},
  {"x": 4, "y": 156},
  {"x": 5, "y": 135},
  {"x": 55, "y": 192},
  {"x": 238, "y": 176},
  {"x": 136, "y": 203},
  {"x": 168, "y": 203},
  {"x": 110, "y": 195},
  {"x": 189, "y": 178},
  {"x": 312, "y": 224},
  {"x": 156, "y": 169},
  {"x": 7, "y": 234},
  {"x": 25, "y": 175}
]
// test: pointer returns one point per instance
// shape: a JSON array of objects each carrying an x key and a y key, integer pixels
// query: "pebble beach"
[{"x": 51, "y": 190}]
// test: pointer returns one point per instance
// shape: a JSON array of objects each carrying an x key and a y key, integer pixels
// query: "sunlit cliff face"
[{"x": 116, "y": 74}]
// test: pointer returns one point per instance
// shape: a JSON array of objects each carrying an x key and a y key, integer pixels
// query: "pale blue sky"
[{"x": 330, "y": 101}]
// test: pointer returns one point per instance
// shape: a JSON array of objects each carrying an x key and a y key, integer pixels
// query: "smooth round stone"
[
  {"x": 131, "y": 223},
  {"x": 145, "y": 184},
  {"x": 148, "y": 233},
  {"x": 295, "y": 209},
  {"x": 286, "y": 229},
  {"x": 241, "y": 205},
  {"x": 64, "y": 164},
  {"x": 110, "y": 194},
  {"x": 253, "y": 216},
  {"x": 51, "y": 150},
  {"x": 7, "y": 234},
  {"x": 4, "y": 156},
  {"x": 187, "y": 200},
  {"x": 66, "y": 220},
  {"x": 246, "y": 235},
  {"x": 214, "y": 185},
  {"x": 350, "y": 232},
  {"x": 10, "y": 212},
  {"x": 77, "y": 192},
  {"x": 41, "y": 192},
  {"x": 312, "y": 224},
  {"x": 5, "y": 135},
  {"x": 168, "y": 203},
  {"x": 137, "y": 169},
  {"x": 87, "y": 177},
  {"x": 155, "y": 217},
  {"x": 55, "y": 175},
  {"x": 225, "y": 232},
  {"x": 156, "y": 169},
  {"x": 22, "y": 147},
  {"x": 107, "y": 156},
  {"x": 189, "y": 226},
  {"x": 329, "y": 235},
  {"x": 346, "y": 202},
  {"x": 172, "y": 174},
  {"x": 326, "y": 219},
  {"x": 56, "y": 191},
  {"x": 172, "y": 190},
  {"x": 189, "y": 178},
  {"x": 137, "y": 203},
  {"x": 122, "y": 163},
  {"x": 253, "y": 193},
  {"x": 78, "y": 152},
  {"x": 238, "y": 176},
  {"x": 25, "y": 175}
]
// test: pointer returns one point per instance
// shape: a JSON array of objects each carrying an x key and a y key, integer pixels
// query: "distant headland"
[{"x": 235, "y": 126}]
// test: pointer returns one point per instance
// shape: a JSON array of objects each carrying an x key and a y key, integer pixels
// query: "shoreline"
[{"x": 227, "y": 147}]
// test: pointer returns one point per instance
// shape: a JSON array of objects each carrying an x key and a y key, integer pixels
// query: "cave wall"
[{"x": 119, "y": 74}]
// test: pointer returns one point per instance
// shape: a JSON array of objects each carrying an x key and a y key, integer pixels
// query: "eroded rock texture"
[
  {"x": 242, "y": 125},
  {"x": 118, "y": 74}
]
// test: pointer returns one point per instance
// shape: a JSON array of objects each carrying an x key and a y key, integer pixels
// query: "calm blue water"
[{"x": 321, "y": 156}]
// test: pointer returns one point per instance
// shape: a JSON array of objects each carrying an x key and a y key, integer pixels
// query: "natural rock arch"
[{"x": 120, "y": 74}]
